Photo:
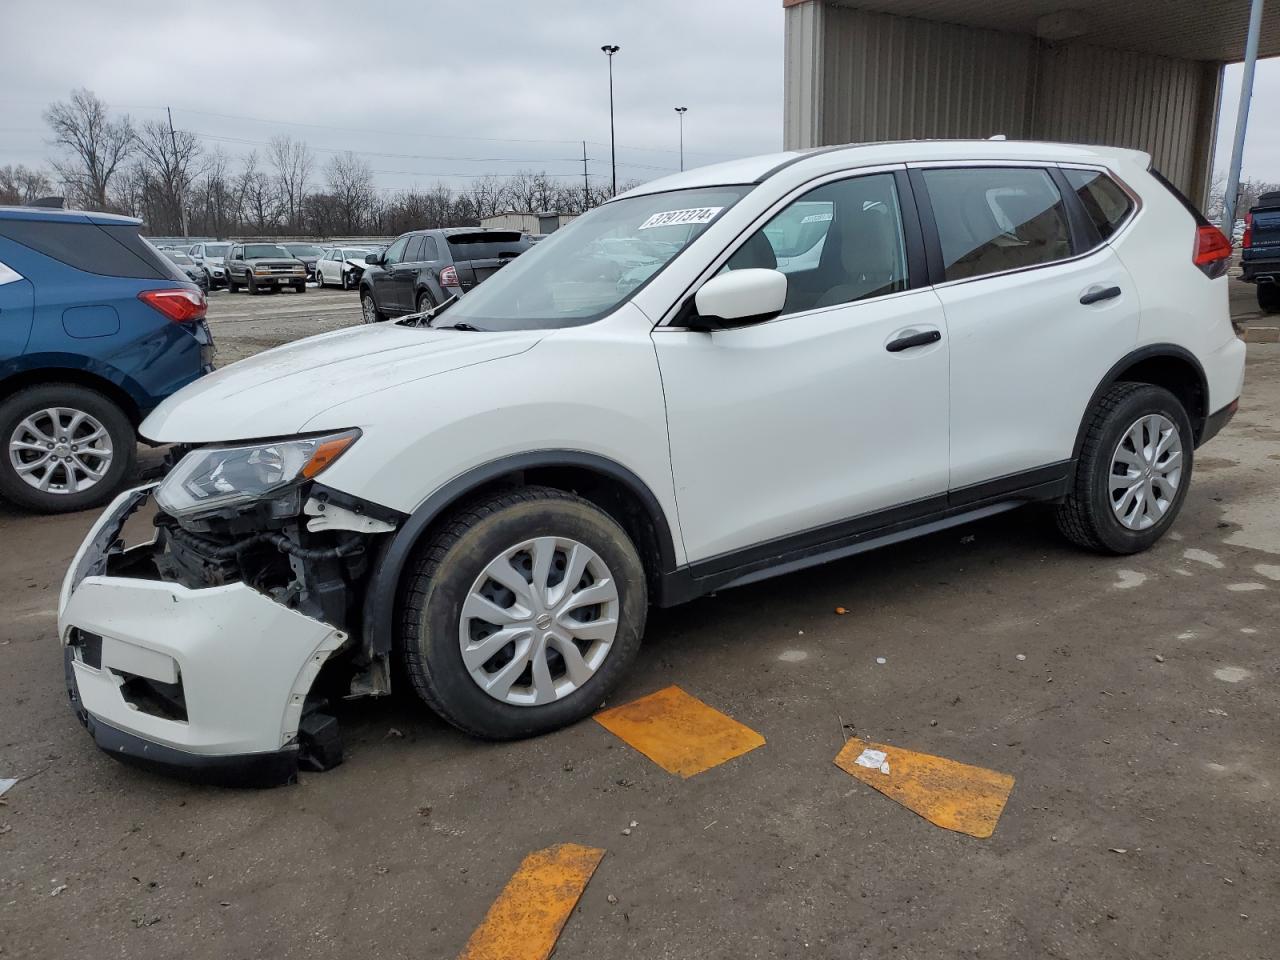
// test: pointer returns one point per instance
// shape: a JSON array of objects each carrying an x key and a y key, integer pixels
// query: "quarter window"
[
  {"x": 838, "y": 243},
  {"x": 1106, "y": 204},
  {"x": 993, "y": 219},
  {"x": 414, "y": 253}
]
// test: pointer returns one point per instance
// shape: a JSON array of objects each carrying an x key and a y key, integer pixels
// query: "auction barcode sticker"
[{"x": 672, "y": 218}]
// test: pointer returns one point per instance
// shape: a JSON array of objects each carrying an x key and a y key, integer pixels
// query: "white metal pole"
[{"x": 1242, "y": 120}]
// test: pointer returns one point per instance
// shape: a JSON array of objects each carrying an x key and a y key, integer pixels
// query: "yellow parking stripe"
[
  {"x": 679, "y": 732},
  {"x": 952, "y": 795},
  {"x": 526, "y": 919}
]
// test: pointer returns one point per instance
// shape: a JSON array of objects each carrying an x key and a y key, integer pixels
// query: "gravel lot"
[{"x": 1140, "y": 727}]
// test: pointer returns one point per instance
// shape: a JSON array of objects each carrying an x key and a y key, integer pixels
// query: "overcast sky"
[{"x": 442, "y": 90}]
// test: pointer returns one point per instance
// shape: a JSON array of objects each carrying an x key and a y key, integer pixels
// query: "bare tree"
[
  {"x": 95, "y": 146},
  {"x": 23, "y": 185},
  {"x": 257, "y": 201},
  {"x": 211, "y": 204},
  {"x": 169, "y": 159},
  {"x": 351, "y": 189},
  {"x": 487, "y": 196},
  {"x": 292, "y": 162}
]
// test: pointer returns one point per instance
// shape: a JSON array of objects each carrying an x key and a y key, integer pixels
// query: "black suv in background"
[
  {"x": 424, "y": 268},
  {"x": 308, "y": 253}
]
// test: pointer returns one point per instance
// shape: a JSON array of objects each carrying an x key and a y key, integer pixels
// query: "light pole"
[
  {"x": 610, "y": 49},
  {"x": 681, "y": 111}
]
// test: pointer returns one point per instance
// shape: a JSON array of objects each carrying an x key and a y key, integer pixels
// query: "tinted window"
[
  {"x": 838, "y": 243},
  {"x": 115, "y": 250},
  {"x": 430, "y": 251},
  {"x": 302, "y": 249},
  {"x": 1104, "y": 201},
  {"x": 395, "y": 252},
  {"x": 992, "y": 219},
  {"x": 413, "y": 253},
  {"x": 215, "y": 249},
  {"x": 486, "y": 246}
]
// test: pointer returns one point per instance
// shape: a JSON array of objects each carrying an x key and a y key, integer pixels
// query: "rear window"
[
  {"x": 1106, "y": 204},
  {"x": 110, "y": 250},
  {"x": 487, "y": 246}
]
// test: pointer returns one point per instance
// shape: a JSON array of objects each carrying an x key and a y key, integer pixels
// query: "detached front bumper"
[{"x": 206, "y": 683}]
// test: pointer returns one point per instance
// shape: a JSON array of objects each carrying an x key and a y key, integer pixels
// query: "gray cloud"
[
  {"x": 443, "y": 91},
  {"x": 419, "y": 86}
]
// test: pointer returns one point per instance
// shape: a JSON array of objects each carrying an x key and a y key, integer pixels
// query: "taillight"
[
  {"x": 1212, "y": 251},
  {"x": 1247, "y": 240},
  {"x": 449, "y": 277},
  {"x": 179, "y": 304}
]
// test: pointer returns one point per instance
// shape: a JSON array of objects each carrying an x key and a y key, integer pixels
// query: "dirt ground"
[{"x": 1140, "y": 727}]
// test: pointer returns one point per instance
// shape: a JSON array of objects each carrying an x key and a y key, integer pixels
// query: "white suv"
[{"x": 715, "y": 378}]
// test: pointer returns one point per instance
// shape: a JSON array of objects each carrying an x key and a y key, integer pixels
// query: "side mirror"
[
  {"x": 739, "y": 296},
  {"x": 374, "y": 258}
]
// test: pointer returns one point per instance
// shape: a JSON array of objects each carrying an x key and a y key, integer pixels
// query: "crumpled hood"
[{"x": 276, "y": 392}]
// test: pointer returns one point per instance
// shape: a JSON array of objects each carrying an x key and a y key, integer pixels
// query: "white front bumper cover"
[{"x": 243, "y": 665}]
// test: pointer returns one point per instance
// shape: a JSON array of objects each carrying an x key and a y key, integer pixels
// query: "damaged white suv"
[{"x": 716, "y": 378}]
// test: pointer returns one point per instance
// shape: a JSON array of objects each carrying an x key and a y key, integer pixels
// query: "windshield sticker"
[
  {"x": 679, "y": 218},
  {"x": 817, "y": 218}
]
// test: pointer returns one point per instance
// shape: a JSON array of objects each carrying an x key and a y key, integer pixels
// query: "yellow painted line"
[
  {"x": 525, "y": 921},
  {"x": 679, "y": 732},
  {"x": 952, "y": 795}
]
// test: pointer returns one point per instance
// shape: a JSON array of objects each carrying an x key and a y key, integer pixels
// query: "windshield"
[
  {"x": 216, "y": 249},
  {"x": 587, "y": 268},
  {"x": 351, "y": 253},
  {"x": 303, "y": 249},
  {"x": 254, "y": 251}
]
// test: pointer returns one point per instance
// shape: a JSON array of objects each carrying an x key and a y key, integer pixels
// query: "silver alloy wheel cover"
[
  {"x": 368, "y": 312},
  {"x": 1146, "y": 469},
  {"x": 60, "y": 450},
  {"x": 541, "y": 619}
]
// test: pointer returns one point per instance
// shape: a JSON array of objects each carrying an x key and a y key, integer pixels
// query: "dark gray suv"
[{"x": 426, "y": 267}]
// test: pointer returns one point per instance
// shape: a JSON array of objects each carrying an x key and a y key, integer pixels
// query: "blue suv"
[{"x": 96, "y": 328}]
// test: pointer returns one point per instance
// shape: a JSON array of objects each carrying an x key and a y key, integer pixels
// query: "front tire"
[
  {"x": 494, "y": 635},
  {"x": 346, "y": 280},
  {"x": 66, "y": 448},
  {"x": 300, "y": 287},
  {"x": 253, "y": 287},
  {"x": 1269, "y": 297},
  {"x": 1133, "y": 472},
  {"x": 369, "y": 312},
  {"x": 232, "y": 286}
]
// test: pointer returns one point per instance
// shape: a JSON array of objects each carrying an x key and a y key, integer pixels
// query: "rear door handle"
[
  {"x": 1098, "y": 294},
  {"x": 914, "y": 340}
]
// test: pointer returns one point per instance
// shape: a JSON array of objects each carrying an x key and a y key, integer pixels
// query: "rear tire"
[
  {"x": 1111, "y": 508},
  {"x": 564, "y": 536},
  {"x": 1269, "y": 297},
  {"x": 27, "y": 423},
  {"x": 425, "y": 302}
]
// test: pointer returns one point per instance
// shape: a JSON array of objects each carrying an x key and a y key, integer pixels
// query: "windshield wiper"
[
  {"x": 464, "y": 326},
  {"x": 425, "y": 318}
]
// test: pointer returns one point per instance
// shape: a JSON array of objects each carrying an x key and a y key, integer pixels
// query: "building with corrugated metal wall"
[{"x": 1140, "y": 73}]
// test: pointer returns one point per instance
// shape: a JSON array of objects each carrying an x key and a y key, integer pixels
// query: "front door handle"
[
  {"x": 1098, "y": 294},
  {"x": 914, "y": 340}
]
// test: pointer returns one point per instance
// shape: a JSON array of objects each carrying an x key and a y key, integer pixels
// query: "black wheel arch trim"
[
  {"x": 394, "y": 554},
  {"x": 1152, "y": 351}
]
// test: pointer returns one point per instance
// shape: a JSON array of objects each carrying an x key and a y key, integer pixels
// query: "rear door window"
[
  {"x": 995, "y": 219},
  {"x": 1107, "y": 205},
  {"x": 413, "y": 253}
]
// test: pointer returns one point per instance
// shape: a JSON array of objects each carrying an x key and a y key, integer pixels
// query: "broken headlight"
[{"x": 210, "y": 478}]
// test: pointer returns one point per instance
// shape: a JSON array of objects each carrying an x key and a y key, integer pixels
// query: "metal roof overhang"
[{"x": 1188, "y": 29}]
